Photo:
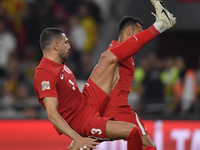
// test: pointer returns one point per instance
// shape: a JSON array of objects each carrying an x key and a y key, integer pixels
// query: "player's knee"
[
  {"x": 109, "y": 57},
  {"x": 146, "y": 141},
  {"x": 149, "y": 146}
]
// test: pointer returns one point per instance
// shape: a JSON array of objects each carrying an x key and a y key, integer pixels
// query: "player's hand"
[
  {"x": 116, "y": 78},
  {"x": 87, "y": 143}
]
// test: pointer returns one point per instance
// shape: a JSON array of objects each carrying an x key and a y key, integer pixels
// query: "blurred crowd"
[
  {"x": 164, "y": 85},
  {"x": 21, "y": 22}
]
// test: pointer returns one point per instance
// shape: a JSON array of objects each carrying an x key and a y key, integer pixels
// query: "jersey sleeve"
[{"x": 45, "y": 84}]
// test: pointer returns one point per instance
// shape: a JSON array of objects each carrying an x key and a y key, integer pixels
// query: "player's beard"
[{"x": 64, "y": 57}]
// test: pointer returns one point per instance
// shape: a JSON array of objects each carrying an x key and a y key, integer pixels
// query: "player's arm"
[
  {"x": 51, "y": 104},
  {"x": 116, "y": 78}
]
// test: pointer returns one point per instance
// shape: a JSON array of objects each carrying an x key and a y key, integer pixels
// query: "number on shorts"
[{"x": 96, "y": 131}]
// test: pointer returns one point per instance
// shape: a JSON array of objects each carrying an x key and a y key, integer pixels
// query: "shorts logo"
[
  {"x": 45, "y": 85},
  {"x": 94, "y": 131}
]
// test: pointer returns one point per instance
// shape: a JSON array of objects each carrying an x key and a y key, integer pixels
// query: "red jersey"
[
  {"x": 126, "y": 71},
  {"x": 57, "y": 80},
  {"x": 80, "y": 110}
]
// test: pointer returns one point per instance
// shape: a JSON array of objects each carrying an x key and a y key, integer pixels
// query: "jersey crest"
[{"x": 45, "y": 85}]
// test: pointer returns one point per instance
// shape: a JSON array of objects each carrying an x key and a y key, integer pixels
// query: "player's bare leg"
[
  {"x": 115, "y": 131},
  {"x": 121, "y": 130},
  {"x": 103, "y": 73},
  {"x": 146, "y": 141}
]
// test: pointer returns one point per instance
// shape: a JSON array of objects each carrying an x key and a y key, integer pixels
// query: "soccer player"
[
  {"x": 118, "y": 106},
  {"x": 77, "y": 114}
]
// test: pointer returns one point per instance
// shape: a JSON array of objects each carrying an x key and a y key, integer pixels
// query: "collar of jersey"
[
  {"x": 115, "y": 42},
  {"x": 52, "y": 62}
]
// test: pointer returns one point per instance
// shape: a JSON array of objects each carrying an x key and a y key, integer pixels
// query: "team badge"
[{"x": 45, "y": 85}]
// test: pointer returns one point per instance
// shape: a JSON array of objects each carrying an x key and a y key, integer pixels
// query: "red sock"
[
  {"x": 134, "y": 140},
  {"x": 132, "y": 45},
  {"x": 150, "y": 148}
]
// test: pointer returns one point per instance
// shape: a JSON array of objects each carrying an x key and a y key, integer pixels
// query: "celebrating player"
[{"x": 77, "y": 114}]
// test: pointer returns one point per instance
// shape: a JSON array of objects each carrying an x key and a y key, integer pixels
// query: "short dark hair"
[
  {"x": 48, "y": 35},
  {"x": 127, "y": 21}
]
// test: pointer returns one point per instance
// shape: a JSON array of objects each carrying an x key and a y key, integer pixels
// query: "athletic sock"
[
  {"x": 134, "y": 140},
  {"x": 133, "y": 44},
  {"x": 150, "y": 148},
  {"x": 160, "y": 25}
]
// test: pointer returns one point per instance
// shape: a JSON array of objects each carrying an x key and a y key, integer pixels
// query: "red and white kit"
[
  {"x": 82, "y": 110},
  {"x": 118, "y": 107},
  {"x": 78, "y": 109}
]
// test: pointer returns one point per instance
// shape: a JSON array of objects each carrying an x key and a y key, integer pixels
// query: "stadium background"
[{"x": 171, "y": 117}]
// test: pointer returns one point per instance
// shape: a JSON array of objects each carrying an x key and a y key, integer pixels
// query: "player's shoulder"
[
  {"x": 44, "y": 75},
  {"x": 113, "y": 44},
  {"x": 45, "y": 69}
]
